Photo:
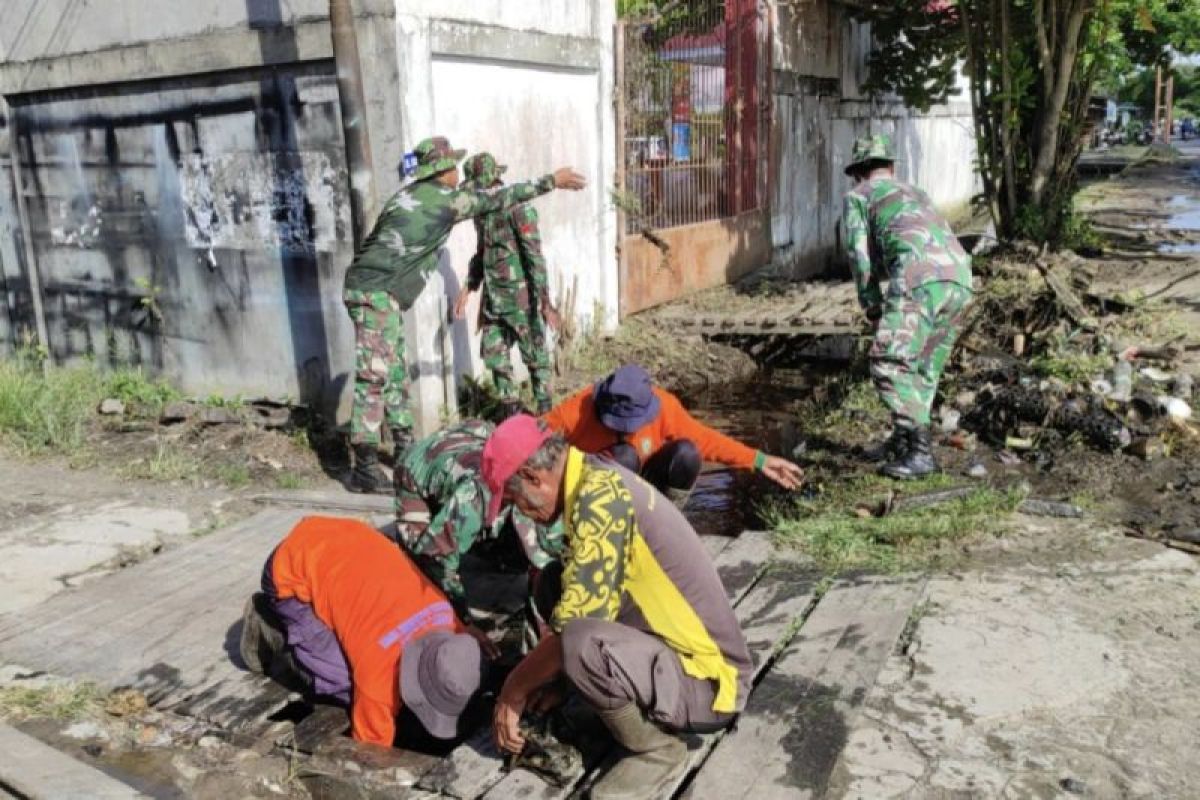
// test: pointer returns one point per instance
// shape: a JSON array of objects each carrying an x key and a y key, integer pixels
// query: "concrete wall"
[
  {"x": 531, "y": 83},
  {"x": 193, "y": 161},
  {"x": 819, "y": 109}
]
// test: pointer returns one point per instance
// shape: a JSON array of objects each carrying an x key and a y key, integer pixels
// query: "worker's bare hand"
[
  {"x": 506, "y": 722},
  {"x": 553, "y": 321},
  {"x": 489, "y": 648},
  {"x": 460, "y": 305},
  {"x": 783, "y": 472},
  {"x": 567, "y": 178}
]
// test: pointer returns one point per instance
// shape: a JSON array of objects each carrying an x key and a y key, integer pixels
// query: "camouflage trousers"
[
  {"x": 380, "y": 377},
  {"x": 499, "y": 335},
  {"x": 912, "y": 342}
]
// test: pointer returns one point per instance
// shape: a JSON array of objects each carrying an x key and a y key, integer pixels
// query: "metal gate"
[{"x": 692, "y": 121}]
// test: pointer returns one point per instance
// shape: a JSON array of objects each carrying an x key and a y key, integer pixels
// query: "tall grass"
[{"x": 51, "y": 410}]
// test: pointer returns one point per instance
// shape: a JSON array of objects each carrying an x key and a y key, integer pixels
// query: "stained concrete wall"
[
  {"x": 192, "y": 162},
  {"x": 820, "y": 58}
]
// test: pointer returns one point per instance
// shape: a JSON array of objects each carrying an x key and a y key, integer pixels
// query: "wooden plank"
[
  {"x": 35, "y": 770},
  {"x": 797, "y": 720},
  {"x": 475, "y": 766},
  {"x": 331, "y": 500},
  {"x": 168, "y": 626}
]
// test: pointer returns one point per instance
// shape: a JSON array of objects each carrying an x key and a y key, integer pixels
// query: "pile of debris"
[{"x": 1044, "y": 358}]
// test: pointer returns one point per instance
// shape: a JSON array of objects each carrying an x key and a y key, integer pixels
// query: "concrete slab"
[
  {"x": 50, "y": 552},
  {"x": 37, "y": 771},
  {"x": 1034, "y": 682}
]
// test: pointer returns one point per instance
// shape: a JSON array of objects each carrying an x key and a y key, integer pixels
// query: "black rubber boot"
[
  {"x": 890, "y": 449},
  {"x": 510, "y": 408},
  {"x": 368, "y": 477},
  {"x": 918, "y": 461},
  {"x": 262, "y": 639},
  {"x": 402, "y": 439}
]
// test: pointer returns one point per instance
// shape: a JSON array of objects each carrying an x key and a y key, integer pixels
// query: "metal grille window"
[{"x": 692, "y": 117}]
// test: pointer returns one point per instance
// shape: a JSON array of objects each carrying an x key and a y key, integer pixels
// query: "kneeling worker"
[
  {"x": 365, "y": 626},
  {"x": 647, "y": 430},
  {"x": 643, "y": 627},
  {"x": 441, "y": 498}
]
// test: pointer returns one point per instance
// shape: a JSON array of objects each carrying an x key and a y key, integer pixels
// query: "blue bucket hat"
[{"x": 625, "y": 400}]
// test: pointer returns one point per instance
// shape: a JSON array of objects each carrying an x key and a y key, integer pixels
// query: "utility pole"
[
  {"x": 1170, "y": 110},
  {"x": 354, "y": 117},
  {"x": 1157, "y": 100}
]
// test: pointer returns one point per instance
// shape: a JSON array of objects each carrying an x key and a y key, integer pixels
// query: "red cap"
[{"x": 509, "y": 446}]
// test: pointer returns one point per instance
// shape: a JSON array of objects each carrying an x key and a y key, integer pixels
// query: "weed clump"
[
  {"x": 61, "y": 701},
  {"x": 49, "y": 410},
  {"x": 831, "y": 528}
]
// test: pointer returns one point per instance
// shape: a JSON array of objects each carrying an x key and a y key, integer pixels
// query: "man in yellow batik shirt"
[{"x": 642, "y": 628}]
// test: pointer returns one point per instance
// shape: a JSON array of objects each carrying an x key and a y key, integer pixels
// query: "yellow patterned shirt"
[{"x": 631, "y": 557}]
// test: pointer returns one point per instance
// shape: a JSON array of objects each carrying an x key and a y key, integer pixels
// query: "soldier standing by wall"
[
  {"x": 894, "y": 232},
  {"x": 516, "y": 291},
  {"x": 388, "y": 274}
]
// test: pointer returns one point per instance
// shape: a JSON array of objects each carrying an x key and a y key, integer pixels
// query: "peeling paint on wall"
[{"x": 294, "y": 202}]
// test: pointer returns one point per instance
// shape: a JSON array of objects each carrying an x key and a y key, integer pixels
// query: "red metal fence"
[{"x": 691, "y": 89}]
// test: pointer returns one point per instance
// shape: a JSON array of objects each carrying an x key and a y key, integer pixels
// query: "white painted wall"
[
  {"x": 512, "y": 109},
  {"x": 534, "y": 116},
  {"x": 563, "y": 17}
]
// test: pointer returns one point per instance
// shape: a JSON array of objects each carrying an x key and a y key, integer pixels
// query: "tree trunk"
[{"x": 1075, "y": 15}]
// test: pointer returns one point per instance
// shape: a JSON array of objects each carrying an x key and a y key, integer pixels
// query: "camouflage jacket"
[
  {"x": 446, "y": 471},
  {"x": 402, "y": 248},
  {"x": 509, "y": 264},
  {"x": 893, "y": 232}
]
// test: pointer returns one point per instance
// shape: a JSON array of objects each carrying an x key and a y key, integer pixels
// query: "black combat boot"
[
  {"x": 918, "y": 461},
  {"x": 368, "y": 477},
  {"x": 890, "y": 449},
  {"x": 402, "y": 439},
  {"x": 510, "y": 408}
]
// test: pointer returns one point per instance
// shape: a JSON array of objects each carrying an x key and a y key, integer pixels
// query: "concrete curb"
[{"x": 37, "y": 771}]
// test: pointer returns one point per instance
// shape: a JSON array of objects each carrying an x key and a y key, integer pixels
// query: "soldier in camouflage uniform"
[
  {"x": 893, "y": 232},
  {"x": 389, "y": 272},
  {"x": 440, "y": 501},
  {"x": 516, "y": 295}
]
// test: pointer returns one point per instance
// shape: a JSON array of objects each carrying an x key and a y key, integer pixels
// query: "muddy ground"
[{"x": 1054, "y": 660}]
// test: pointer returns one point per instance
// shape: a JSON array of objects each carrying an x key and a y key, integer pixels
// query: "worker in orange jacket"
[
  {"x": 348, "y": 611},
  {"x": 647, "y": 430}
]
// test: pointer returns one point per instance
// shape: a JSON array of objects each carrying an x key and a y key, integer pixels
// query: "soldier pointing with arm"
[
  {"x": 389, "y": 272},
  {"x": 516, "y": 293},
  {"x": 894, "y": 232}
]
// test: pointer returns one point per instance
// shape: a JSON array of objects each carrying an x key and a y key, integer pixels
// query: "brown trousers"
[{"x": 613, "y": 665}]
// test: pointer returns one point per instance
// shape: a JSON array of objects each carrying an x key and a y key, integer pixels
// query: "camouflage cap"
[
  {"x": 877, "y": 147},
  {"x": 482, "y": 171},
  {"x": 434, "y": 155}
]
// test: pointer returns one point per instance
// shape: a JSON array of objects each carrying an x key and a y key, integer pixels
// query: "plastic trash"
[
  {"x": 1122, "y": 382},
  {"x": 1155, "y": 374},
  {"x": 1101, "y": 387},
  {"x": 1175, "y": 408},
  {"x": 950, "y": 420},
  {"x": 1182, "y": 388}
]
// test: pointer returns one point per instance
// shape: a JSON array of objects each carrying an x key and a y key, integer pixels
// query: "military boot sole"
[{"x": 905, "y": 472}]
